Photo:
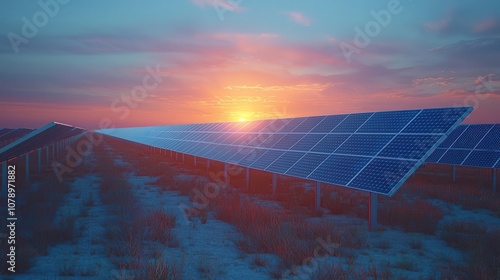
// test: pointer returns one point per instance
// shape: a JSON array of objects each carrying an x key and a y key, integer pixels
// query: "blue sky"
[{"x": 234, "y": 60}]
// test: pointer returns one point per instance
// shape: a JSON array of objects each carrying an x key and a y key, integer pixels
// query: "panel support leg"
[
  {"x": 176, "y": 156},
  {"x": 247, "y": 179},
  {"x": 27, "y": 156},
  {"x": 494, "y": 180},
  {"x": 39, "y": 169},
  {"x": 454, "y": 173},
  {"x": 47, "y": 155},
  {"x": 225, "y": 171},
  {"x": 53, "y": 151},
  {"x": 182, "y": 158},
  {"x": 318, "y": 196},
  {"x": 195, "y": 161},
  {"x": 372, "y": 212},
  {"x": 208, "y": 165},
  {"x": 171, "y": 155},
  {"x": 275, "y": 180}
]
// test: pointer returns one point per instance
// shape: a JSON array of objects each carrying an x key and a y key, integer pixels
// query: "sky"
[{"x": 125, "y": 63}]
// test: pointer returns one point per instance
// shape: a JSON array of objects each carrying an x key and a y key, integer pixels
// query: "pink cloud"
[
  {"x": 438, "y": 26},
  {"x": 299, "y": 18},
  {"x": 486, "y": 25}
]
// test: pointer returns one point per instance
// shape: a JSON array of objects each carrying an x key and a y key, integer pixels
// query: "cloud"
[
  {"x": 228, "y": 5},
  {"x": 487, "y": 26},
  {"x": 299, "y": 18}
]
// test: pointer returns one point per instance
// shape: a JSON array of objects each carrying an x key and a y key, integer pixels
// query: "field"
[{"x": 127, "y": 213}]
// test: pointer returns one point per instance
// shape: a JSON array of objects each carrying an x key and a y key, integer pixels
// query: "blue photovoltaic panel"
[
  {"x": 454, "y": 156},
  {"x": 388, "y": 122},
  {"x": 213, "y": 152},
  {"x": 266, "y": 159},
  {"x": 492, "y": 140},
  {"x": 330, "y": 143},
  {"x": 251, "y": 157},
  {"x": 241, "y": 153},
  {"x": 303, "y": 167},
  {"x": 287, "y": 141},
  {"x": 436, "y": 155},
  {"x": 284, "y": 162},
  {"x": 338, "y": 169},
  {"x": 374, "y": 152},
  {"x": 475, "y": 145},
  {"x": 453, "y": 137},
  {"x": 471, "y": 137},
  {"x": 364, "y": 144},
  {"x": 381, "y": 175},
  {"x": 291, "y": 125},
  {"x": 226, "y": 155},
  {"x": 328, "y": 124},
  {"x": 273, "y": 126},
  {"x": 352, "y": 123},
  {"x": 207, "y": 149},
  {"x": 498, "y": 164},
  {"x": 409, "y": 146},
  {"x": 308, "y": 124},
  {"x": 271, "y": 140},
  {"x": 308, "y": 142},
  {"x": 436, "y": 120},
  {"x": 482, "y": 158},
  {"x": 30, "y": 140}
]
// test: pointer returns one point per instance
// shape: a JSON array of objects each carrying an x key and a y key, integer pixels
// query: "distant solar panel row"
[
  {"x": 8, "y": 136},
  {"x": 374, "y": 152},
  {"x": 38, "y": 138},
  {"x": 475, "y": 145}
]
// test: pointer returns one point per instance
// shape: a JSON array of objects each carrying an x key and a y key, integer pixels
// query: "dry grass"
[
  {"x": 413, "y": 216},
  {"x": 268, "y": 231}
]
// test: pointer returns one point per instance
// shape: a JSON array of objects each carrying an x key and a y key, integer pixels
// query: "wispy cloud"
[
  {"x": 299, "y": 18},
  {"x": 490, "y": 25},
  {"x": 225, "y": 4}
]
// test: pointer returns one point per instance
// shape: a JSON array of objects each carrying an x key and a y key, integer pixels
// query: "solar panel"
[
  {"x": 474, "y": 145},
  {"x": 38, "y": 138},
  {"x": 374, "y": 152},
  {"x": 11, "y": 135}
]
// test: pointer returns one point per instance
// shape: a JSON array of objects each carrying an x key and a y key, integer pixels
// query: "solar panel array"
[
  {"x": 53, "y": 132},
  {"x": 8, "y": 135},
  {"x": 476, "y": 145},
  {"x": 373, "y": 152}
]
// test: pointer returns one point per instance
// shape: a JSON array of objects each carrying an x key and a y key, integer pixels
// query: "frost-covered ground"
[{"x": 208, "y": 250}]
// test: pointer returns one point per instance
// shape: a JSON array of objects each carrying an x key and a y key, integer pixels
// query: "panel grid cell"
[
  {"x": 330, "y": 143},
  {"x": 307, "y": 142},
  {"x": 287, "y": 141},
  {"x": 306, "y": 165},
  {"x": 328, "y": 124},
  {"x": 352, "y": 123},
  {"x": 471, "y": 136},
  {"x": 266, "y": 159},
  {"x": 284, "y": 162},
  {"x": 308, "y": 124},
  {"x": 339, "y": 169},
  {"x": 364, "y": 144},
  {"x": 387, "y": 122}
]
